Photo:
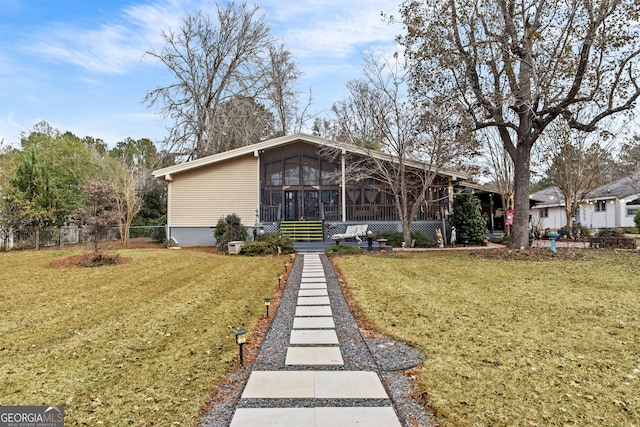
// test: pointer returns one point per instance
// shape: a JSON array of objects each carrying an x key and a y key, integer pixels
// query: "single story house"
[
  {"x": 291, "y": 179},
  {"x": 612, "y": 205},
  {"x": 547, "y": 210}
]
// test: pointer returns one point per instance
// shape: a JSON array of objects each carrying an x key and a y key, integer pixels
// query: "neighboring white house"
[
  {"x": 612, "y": 205},
  {"x": 548, "y": 210}
]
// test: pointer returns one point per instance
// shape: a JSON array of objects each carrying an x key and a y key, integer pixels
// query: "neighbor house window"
[
  {"x": 601, "y": 206},
  {"x": 544, "y": 213},
  {"x": 632, "y": 212}
]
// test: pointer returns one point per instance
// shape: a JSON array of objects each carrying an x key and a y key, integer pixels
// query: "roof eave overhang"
[{"x": 166, "y": 174}]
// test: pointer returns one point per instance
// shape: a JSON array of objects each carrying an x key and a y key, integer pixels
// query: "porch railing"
[{"x": 429, "y": 212}]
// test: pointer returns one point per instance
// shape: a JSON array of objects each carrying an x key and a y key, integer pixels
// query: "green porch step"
[{"x": 302, "y": 231}]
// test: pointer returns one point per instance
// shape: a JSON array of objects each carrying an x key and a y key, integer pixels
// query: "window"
[
  {"x": 601, "y": 206},
  {"x": 544, "y": 213},
  {"x": 330, "y": 174},
  {"x": 274, "y": 173},
  {"x": 310, "y": 171},
  {"x": 291, "y": 172},
  {"x": 632, "y": 212},
  {"x": 330, "y": 197}
]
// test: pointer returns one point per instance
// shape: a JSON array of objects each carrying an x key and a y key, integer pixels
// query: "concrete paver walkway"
[{"x": 314, "y": 344}]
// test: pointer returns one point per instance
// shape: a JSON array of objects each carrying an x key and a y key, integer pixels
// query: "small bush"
[
  {"x": 636, "y": 219},
  {"x": 158, "y": 233},
  {"x": 422, "y": 239},
  {"x": 337, "y": 250},
  {"x": 268, "y": 245},
  {"x": 584, "y": 231},
  {"x": 257, "y": 248},
  {"x": 229, "y": 229},
  {"x": 219, "y": 229},
  {"x": 610, "y": 232},
  {"x": 283, "y": 242},
  {"x": 394, "y": 238}
]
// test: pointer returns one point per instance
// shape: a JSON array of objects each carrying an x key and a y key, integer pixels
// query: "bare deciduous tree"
[
  {"x": 98, "y": 212},
  {"x": 519, "y": 66},
  {"x": 577, "y": 164},
  {"x": 418, "y": 140},
  {"x": 283, "y": 73},
  {"x": 126, "y": 185},
  {"x": 629, "y": 157},
  {"x": 215, "y": 62},
  {"x": 243, "y": 121},
  {"x": 324, "y": 128}
]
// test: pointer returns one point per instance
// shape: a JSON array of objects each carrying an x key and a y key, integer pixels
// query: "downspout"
[
  {"x": 168, "y": 179},
  {"x": 344, "y": 186}
]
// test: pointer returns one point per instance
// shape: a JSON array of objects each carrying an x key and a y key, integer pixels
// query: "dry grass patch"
[
  {"x": 512, "y": 342},
  {"x": 140, "y": 343}
]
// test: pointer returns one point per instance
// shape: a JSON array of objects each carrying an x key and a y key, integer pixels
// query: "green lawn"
[
  {"x": 526, "y": 343},
  {"x": 141, "y": 343}
]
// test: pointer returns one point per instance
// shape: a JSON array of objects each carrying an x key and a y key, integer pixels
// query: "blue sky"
[{"x": 79, "y": 64}]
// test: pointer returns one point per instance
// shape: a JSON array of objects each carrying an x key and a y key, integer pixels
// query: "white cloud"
[
  {"x": 10, "y": 131},
  {"x": 313, "y": 28},
  {"x": 113, "y": 47},
  {"x": 332, "y": 29}
]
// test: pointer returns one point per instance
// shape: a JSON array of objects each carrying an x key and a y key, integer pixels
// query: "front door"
[
  {"x": 291, "y": 205},
  {"x": 301, "y": 204},
  {"x": 311, "y": 205}
]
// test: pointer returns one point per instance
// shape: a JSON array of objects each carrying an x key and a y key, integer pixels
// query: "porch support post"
[
  {"x": 344, "y": 187},
  {"x": 256, "y": 154},
  {"x": 450, "y": 196},
  {"x": 169, "y": 208}
]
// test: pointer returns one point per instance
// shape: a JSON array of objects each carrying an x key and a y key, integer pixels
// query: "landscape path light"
[
  {"x": 267, "y": 303},
  {"x": 241, "y": 339}
]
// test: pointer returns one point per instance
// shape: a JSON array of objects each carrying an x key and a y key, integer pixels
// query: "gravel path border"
[{"x": 388, "y": 357}]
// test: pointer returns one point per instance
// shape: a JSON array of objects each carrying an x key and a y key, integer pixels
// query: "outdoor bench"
[{"x": 354, "y": 231}]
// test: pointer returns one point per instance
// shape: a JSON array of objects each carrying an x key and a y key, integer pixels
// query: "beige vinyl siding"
[{"x": 199, "y": 197}]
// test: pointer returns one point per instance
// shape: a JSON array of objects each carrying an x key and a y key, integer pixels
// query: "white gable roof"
[{"x": 547, "y": 198}]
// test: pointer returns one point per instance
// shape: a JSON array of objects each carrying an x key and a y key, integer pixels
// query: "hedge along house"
[{"x": 290, "y": 185}]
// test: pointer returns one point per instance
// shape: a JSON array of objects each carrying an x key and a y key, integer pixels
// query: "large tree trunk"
[
  {"x": 406, "y": 231},
  {"x": 569, "y": 212},
  {"x": 404, "y": 215},
  {"x": 522, "y": 175}
]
